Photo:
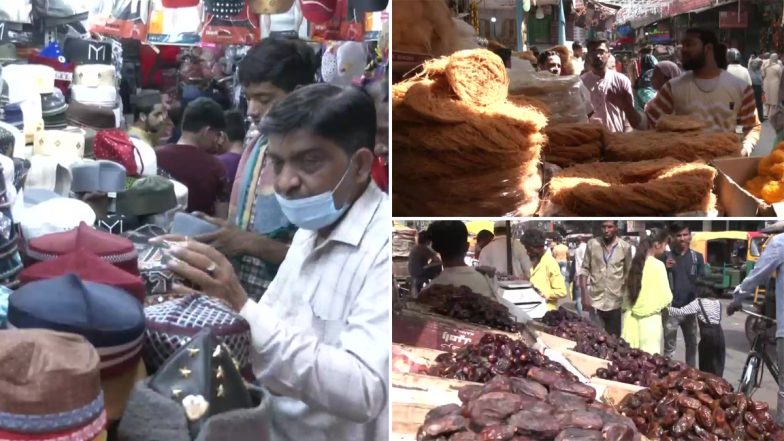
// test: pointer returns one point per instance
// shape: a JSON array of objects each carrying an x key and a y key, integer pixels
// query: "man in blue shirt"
[{"x": 772, "y": 259}]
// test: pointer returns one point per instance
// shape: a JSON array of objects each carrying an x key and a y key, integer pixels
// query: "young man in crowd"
[
  {"x": 233, "y": 143},
  {"x": 705, "y": 92},
  {"x": 423, "y": 262},
  {"x": 685, "y": 268},
  {"x": 192, "y": 162},
  {"x": 494, "y": 255},
  {"x": 483, "y": 238},
  {"x": 318, "y": 332},
  {"x": 450, "y": 241},
  {"x": 577, "y": 58},
  {"x": 149, "y": 117},
  {"x": 545, "y": 273},
  {"x": 607, "y": 88},
  {"x": 257, "y": 233},
  {"x": 606, "y": 265}
]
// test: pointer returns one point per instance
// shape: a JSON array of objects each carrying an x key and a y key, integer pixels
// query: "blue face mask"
[{"x": 315, "y": 212}]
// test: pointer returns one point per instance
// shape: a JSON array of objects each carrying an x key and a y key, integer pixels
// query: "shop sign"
[{"x": 733, "y": 19}]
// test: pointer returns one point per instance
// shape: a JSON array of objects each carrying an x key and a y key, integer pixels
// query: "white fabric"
[
  {"x": 104, "y": 96},
  {"x": 467, "y": 276},
  {"x": 321, "y": 331},
  {"x": 94, "y": 75},
  {"x": 351, "y": 62},
  {"x": 53, "y": 216},
  {"x": 740, "y": 73},
  {"x": 494, "y": 255},
  {"x": 145, "y": 155},
  {"x": 35, "y": 78},
  {"x": 579, "y": 256},
  {"x": 66, "y": 146},
  {"x": 50, "y": 174}
]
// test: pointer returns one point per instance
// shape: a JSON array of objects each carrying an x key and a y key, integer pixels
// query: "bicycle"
[{"x": 751, "y": 375}]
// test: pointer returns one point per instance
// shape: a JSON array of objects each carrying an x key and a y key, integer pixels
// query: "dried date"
[
  {"x": 524, "y": 386},
  {"x": 441, "y": 426},
  {"x": 585, "y": 391},
  {"x": 529, "y": 423},
  {"x": 497, "y": 433},
  {"x": 579, "y": 435},
  {"x": 493, "y": 407}
]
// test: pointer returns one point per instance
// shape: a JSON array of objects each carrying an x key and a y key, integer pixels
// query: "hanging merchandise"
[
  {"x": 270, "y": 7},
  {"x": 59, "y": 12},
  {"x": 220, "y": 28},
  {"x": 351, "y": 62},
  {"x": 340, "y": 27},
  {"x": 127, "y": 19},
  {"x": 319, "y": 11},
  {"x": 81, "y": 51},
  {"x": 173, "y": 25}
]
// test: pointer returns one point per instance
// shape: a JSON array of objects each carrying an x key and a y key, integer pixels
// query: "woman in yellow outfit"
[
  {"x": 546, "y": 273},
  {"x": 649, "y": 293}
]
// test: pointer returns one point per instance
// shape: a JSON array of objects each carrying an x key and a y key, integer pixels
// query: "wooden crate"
[
  {"x": 586, "y": 364},
  {"x": 555, "y": 342}
]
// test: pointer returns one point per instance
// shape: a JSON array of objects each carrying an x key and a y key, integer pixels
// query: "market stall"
[
  {"x": 475, "y": 138},
  {"x": 96, "y": 340}
]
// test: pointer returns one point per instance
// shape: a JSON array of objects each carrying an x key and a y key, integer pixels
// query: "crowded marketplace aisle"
[
  {"x": 472, "y": 322},
  {"x": 553, "y": 109},
  {"x": 182, "y": 183}
]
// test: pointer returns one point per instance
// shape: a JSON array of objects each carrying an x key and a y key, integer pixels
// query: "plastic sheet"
[{"x": 563, "y": 95}]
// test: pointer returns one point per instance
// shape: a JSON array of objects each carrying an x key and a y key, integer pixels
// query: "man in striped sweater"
[{"x": 705, "y": 92}]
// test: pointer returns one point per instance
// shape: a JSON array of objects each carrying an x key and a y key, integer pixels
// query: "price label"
[{"x": 63, "y": 76}]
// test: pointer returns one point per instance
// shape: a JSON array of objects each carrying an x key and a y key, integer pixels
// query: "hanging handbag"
[{"x": 115, "y": 145}]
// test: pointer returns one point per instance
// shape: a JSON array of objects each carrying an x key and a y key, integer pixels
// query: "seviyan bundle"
[
  {"x": 685, "y": 146},
  {"x": 768, "y": 185},
  {"x": 461, "y": 145},
  {"x": 576, "y": 143},
  {"x": 646, "y": 188},
  {"x": 424, "y": 27}
]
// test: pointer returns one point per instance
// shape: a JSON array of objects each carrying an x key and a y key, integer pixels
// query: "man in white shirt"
[
  {"x": 450, "y": 241},
  {"x": 494, "y": 254},
  {"x": 320, "y": 334}
]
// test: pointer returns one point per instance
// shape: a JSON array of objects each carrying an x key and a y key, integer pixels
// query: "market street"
[{"x": 737, "y": 350}]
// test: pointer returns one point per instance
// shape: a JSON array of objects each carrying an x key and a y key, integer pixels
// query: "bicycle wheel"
[{"x": 749, "y": 375}]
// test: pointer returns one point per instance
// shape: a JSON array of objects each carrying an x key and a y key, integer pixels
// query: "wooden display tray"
[
  {"x": 555, "y": 342},
  {"x": 416, "y": 327}
]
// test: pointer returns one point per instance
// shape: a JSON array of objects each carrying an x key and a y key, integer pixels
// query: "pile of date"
[
  {"x": 694, "y": 405},
  {"x": 518, "y": 409}
]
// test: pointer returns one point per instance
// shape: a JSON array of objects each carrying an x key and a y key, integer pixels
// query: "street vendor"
[
  {"x": 546, "y": 274},
  {"x": 494, "y": 254},
  {"x": 257, "y": 234},
  {"x": 705, "y": 92},
  {"x": 320, "y": 333},
  {"x": 450, "y": 241}
]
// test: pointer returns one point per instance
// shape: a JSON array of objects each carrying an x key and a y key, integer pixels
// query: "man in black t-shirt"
[{"x": 685, "y": 267}]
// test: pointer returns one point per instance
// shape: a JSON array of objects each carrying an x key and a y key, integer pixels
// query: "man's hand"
[
  {"x": 733, "y": 307},
  {"x": 209, "y": 270},
  {"x": 229, "y": 240}
]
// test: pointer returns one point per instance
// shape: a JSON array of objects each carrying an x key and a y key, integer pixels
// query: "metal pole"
[{"x": 519, "y": 29}]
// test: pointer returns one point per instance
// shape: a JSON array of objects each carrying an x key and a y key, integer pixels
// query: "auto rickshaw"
[{"x": 729, "y": 256}]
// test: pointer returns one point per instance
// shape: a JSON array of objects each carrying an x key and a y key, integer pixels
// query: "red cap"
[
  {"x": 180, "y": 3},
  {"x": 318, "y": 11},
  {"x": 87, "y": 266},
  {"x": 116, "y": 250}
]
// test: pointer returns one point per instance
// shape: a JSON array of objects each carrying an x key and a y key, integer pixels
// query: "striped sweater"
[
  {"x": 721, "y": 103},
  {"x": 712, "y": 310}
]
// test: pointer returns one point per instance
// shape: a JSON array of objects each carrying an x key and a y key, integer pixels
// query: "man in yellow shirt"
[{"x": 546, "y": 274}]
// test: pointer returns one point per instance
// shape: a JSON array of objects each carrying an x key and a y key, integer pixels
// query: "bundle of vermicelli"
[
  {"x": 678, "y": 123},
  {"x": 768, "y": 185},
  {"x": 646, "y": 188},
  {"x": 423, "y": 27},
  {"x": 461, "y": 145},
  {"x": 686, "y": 146},
  {"x": 569, "y": 144}
]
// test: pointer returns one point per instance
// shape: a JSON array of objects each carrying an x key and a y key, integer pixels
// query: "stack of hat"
[
  {"x": 53, "y": 108},
  {"x": 53, "y": 57},
  {"x": 197, "y": 395},
  {"x": 108, "y": 317},
  {"x": 8, "y": 139},
  {"x": 44, "y": 212},
  {"x": 88, "y": 267},
  {"x": 171, "y": 324},
  {"x": 12, "y": 114},
  {"x": 27, "y": 82},
  {"x": 94, "y": 102},
  {"x": 50, "y": 387},
  {"x": 94, "y": 85},
  {"x": 10, "y": 261},
  {"x": 116, "y": 250}
]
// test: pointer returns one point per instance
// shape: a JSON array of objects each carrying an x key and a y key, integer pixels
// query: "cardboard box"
[{"x": 733, "y": 198}]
